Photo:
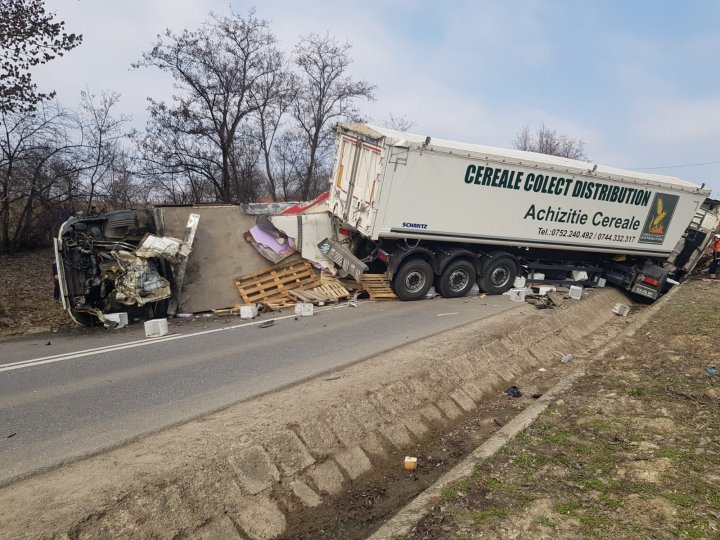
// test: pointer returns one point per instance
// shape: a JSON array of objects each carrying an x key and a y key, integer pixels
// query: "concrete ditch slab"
[
  {"x": 254, "y": 469},
  {"x": 354, "y": 462},
  {"x": 327, "y": 477}
]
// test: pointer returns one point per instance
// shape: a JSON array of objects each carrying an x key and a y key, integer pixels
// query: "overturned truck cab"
[{"x": 116, "y": 262}]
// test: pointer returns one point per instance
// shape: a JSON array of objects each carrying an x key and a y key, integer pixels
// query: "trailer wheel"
[
  {"x": 457, "y": 279},
  {"x": 498, "y": 276},
  {"x": 413, "y": 280}
]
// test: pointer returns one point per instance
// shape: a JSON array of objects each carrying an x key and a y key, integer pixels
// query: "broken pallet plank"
[{"x": 274, "y": 283}]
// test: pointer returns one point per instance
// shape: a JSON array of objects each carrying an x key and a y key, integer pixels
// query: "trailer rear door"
[{"x": 353, "y": 195}]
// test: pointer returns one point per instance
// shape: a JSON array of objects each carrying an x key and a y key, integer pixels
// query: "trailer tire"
[
  {"x": 413, "y": 280},
  {"x": 498, "y": 275},
  {"x": 457, "y": 279}
]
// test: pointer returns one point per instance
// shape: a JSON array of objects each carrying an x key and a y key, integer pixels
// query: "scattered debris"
[
  {"x": 273, "y": 285},
  {"x": 621, "y": 309},
  {"x": 556, "y": 298},
  {"x": 565, "y": 358},
  {"x": 120, "y": 320},
  {"x": 410, "y": 463},
  {"x": 377, "y": 286},
  {"x": 513, "y": 391},
  {"x": 537, "y": 395},
  {"x": 156, "y": 328},
  {"x": 267, "y": 324},
  {"x": 575, "y": 292},
  {"x": 711, "y": 370},
  {"x": 304, "y": 309},
  {"x": 184, "y": 315},
  {"x": 542, "y": 370},
  {"x": 11, "y": 435}
]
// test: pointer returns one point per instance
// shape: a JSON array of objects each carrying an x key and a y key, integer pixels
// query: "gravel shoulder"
[{"x": 632, "y": 451}]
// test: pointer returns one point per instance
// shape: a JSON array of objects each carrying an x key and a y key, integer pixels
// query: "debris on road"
[
  {"x": 621, "y": 309},
  {"x": 513, "y": 391},
  {"x": 410, "y": 463}
]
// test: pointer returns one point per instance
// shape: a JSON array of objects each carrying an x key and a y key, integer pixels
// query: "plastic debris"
[
  {"x": 542, "y": 370},
  {"x": 712, "y": 370},
  {"x": 565, "y": 358},
  {"x": 513, "y": 391},
  {"x": 267, "y": 324}
]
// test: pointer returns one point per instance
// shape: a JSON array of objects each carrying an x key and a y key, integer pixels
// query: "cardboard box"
[{"x": 248, "y": 312}]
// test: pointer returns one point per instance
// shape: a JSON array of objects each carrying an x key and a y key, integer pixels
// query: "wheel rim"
[
  {"x": 414, "y": 281},
  {"x": 458, "y": 280},
  {"x": 500, "y": 276}
]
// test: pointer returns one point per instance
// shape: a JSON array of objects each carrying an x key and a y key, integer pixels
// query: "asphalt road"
[{"x": 66, "y": 396}]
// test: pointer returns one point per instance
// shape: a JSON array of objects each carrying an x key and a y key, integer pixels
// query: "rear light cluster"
[{"x": 650, "y": 281}]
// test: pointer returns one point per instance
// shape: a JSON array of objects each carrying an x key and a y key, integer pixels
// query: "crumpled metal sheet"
[
  {"x": 139, "y": 281},
  {"x": 163, "y": 247}
]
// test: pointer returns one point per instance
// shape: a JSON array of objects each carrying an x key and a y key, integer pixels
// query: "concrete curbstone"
[
  {"x": 415, "y": 424},
  {"x": 327, "y": 477},
  {"x": 449, "y": 408},
  {"x": 254, "y": 469},
  {"x": 397, "y": 434},
  {"x": 318, "y": 437},
  {"x": 433, "y": 415},
  {"x": 260, "y": 518},
  {"x": 461, "y": 398},
  {"x": 374, "y": 444},
  {"x": 306, "y": 494},
  {"x": 366, "y": 414},
  {"x": 344, "y": 426},
  {"x": 289, "y": 453},
  {"x": 218, "y": 527},
  {"x": 473, "y": 390},
  {"x": 354, "y": 462}
]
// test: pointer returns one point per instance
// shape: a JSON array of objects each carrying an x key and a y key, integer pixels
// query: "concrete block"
[
  {"x": 449, "y": 408},
  {"x": 289, "y": 453},
  {"x": 432, "y": 414},
  {"x": 306, "y": 494},
  {"x": 414, "y": 422},
  {"x": 462, "y": 399},
  {"x": 397, "y": 434},
  {"x": 473, "y": 390},
  {"x": 254, "y": 469},
  {"x": 218, "y": 527},
  {"x": 373, "y": 444},
  {"x": 343, "y": 424},
  {"x": 156, "y": 328},
  {"x": 261, "y": 519},
  {"x": 354, "y": 462},
  {"x": 319, "y": 438},
  {"x": 366, "y": 414},
  {"x": 327, "y": 477}
]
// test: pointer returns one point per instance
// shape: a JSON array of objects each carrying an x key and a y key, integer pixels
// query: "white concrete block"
[{"x": 156, "y": 328}]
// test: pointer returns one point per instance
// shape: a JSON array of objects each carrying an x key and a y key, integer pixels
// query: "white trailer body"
[{"x": 406, "y": 186}]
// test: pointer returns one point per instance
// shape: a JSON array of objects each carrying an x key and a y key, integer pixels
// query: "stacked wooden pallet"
[
  {"x": 325, "y": 293},
  {"x": 273, "y": 286},
  {"x": 377, "y": 286}
]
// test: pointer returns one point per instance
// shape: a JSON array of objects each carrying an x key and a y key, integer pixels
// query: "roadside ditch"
[{"x": 322, "y": 459}]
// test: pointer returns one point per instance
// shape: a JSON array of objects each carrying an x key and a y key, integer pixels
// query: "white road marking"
[{"x": 139, "y": 343}]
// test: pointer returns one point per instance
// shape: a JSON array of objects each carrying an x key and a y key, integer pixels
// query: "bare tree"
[
  {"x": 101, "y": 134},
  {"x": 398, "y": 123},
  {"x": 28, "y": 36},
  {"x": 219, "y": 71},
  {"x": 326, "y": 95},
  {"x": 35, "y": 155},
  {"x": 277, "y": 91},
  {"x": 548, "y": 141}
]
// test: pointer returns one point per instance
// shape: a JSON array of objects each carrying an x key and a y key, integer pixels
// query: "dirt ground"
[
  {"x": 633, "y": 451},
  {"x": 26, "y": 295}
]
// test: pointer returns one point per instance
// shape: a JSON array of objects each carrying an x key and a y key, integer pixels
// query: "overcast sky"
[{"x": 636, "y": 80}]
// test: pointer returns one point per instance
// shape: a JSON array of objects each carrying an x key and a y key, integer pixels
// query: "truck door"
[{"x": 357, "y": 171}]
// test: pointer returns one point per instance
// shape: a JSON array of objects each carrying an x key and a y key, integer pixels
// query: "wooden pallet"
[
  {"x": 327, "y": 292},
  {"x": 273, "y": 285},
  {"x": 377, "y": 286}
]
